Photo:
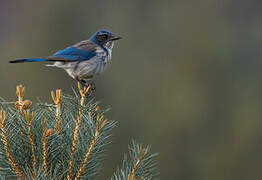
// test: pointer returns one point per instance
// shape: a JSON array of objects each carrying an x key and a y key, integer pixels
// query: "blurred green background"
[{"x": 186, "y": 77}]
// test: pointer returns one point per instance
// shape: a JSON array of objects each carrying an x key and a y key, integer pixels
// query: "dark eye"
[{"x": 102, "y": 37}]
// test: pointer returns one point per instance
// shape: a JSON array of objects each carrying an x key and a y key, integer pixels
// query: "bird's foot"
[
  {"x": 91, "y": 84},
  {"x": 87, "y": 84}
]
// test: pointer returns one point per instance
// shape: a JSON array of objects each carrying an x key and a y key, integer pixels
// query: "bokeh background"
[{"x": 186, "y": 77}]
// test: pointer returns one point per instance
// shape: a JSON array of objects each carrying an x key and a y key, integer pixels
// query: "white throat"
[{"x": 109, "y": 47}]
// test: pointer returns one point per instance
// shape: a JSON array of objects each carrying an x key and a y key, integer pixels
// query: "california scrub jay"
[{"x": 85, "y": 59}]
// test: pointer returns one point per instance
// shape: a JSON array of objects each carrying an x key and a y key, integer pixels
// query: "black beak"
[{"x": 114, "y": 38}]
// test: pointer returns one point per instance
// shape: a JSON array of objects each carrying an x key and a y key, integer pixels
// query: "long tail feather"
[{"x": 27, "y": 60}]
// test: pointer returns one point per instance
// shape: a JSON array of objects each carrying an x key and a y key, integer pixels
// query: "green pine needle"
[{"x": 52, "y": 142}]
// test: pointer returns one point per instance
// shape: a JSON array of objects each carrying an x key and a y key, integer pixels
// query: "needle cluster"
[{"x": 65, "y": 139}]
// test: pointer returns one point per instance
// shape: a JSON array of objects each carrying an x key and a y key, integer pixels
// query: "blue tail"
[{"x": 27, "y": 60}]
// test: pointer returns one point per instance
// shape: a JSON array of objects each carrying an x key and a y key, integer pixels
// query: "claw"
[
  {"x": 93, "y": 86},
  {"x": 86, "y": 83}
]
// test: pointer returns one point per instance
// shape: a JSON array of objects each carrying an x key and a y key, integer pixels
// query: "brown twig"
[
  {"x": 57, "y": 101},
  {"x": 29, "y": 118},
  {"x": 21, "y": 104},
  {"x": 44, "y": 142},
  {"x": 20, "y": 92},
  {"x": 8, "y": 153}
]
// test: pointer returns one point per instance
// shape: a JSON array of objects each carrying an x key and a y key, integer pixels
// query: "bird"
[{"x": 84, "y": 60}]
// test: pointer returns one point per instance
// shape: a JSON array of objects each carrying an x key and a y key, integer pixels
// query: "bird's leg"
[
  {"x": 86, "y": 83},
  {"x": 89, "y": 82},
  {"x": 82, "y": 81}
]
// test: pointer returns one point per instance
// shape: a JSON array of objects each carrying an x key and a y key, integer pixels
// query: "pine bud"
[
  {"x": 49, "y": 132},
  {"x": 26, "y": 104}
]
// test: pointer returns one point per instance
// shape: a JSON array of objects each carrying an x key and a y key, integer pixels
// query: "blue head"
[{"x": 102, "y": 37}]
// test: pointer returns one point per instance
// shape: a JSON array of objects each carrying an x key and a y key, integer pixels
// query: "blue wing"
[
  {"x": 73, "y": 54},
  {"x": 81, "y": 51},
  {"x": 84, "y": 50}
]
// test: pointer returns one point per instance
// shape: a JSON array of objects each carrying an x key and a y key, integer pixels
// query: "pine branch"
[
  {"x": 8, "y": 153},
  {"x": 140, "y": 166},
  {"x": 64, "y": 140},
  {"x": 83, "y": 94}
]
